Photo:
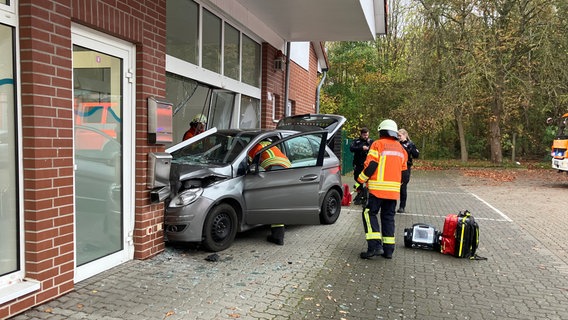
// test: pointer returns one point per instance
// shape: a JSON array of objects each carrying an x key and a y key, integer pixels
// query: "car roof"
[{"x": 297, "y": 123}]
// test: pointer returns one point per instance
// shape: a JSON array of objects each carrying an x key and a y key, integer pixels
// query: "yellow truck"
[{"x": 559, "y": 145}]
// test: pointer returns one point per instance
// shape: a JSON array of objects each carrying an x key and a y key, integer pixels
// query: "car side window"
[{"x": 303, "y": 151}]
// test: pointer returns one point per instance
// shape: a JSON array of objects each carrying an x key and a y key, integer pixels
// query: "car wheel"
[
  {"x": 331, "y": 207},
  {"x": 220, "y": 228}
]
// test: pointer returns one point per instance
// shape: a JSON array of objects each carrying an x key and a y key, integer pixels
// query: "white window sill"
[{"x": 18, "y": 289}]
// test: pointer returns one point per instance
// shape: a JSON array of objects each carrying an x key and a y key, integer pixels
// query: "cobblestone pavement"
[{"x": 317, "y": 274}]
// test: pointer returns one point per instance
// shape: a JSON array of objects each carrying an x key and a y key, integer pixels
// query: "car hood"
[
  {"x": 199, "y": 176},
  {"x": 308, "y": 122}
]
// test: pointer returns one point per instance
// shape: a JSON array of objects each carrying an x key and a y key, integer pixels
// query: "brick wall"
[
  {"x": 141, "y": 22},
  {"x": 302, "y": 90},
  {"x": 47, "y": 127},
  {"x": 303, "y": 85}
]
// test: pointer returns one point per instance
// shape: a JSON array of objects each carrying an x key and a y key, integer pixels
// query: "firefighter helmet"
[
  {"x": 199, "y": 118},
  {"x": 389, "y": 127}
]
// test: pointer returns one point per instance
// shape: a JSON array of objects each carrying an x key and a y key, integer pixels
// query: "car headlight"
[{"x": 186, "y": 197}]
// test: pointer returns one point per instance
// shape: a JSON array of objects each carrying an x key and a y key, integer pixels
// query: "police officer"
[
  {"x": 412, "y": 153},
  {"x": 360, "y": 148},
  {"x": 382, "y": 174}
]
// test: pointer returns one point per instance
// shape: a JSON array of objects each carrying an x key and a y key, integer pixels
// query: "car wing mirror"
[{"x": 252, "y": 168}]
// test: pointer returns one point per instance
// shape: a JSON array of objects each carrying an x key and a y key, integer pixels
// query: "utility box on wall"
[
  {"x": 160, "y": 118},
  {"x": 158, "y": 178}
]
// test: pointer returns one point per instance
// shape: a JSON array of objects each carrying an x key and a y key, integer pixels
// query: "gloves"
[{"x": 358, "y": 186}]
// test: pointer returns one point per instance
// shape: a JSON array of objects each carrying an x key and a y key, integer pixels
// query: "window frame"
[{"x": 14, "y": 284}]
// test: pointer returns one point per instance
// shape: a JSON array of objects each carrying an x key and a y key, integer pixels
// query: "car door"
[{"x": 287, "y": 195}]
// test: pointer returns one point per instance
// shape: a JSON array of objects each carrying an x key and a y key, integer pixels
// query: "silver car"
[{"x": 218, "y": 188}]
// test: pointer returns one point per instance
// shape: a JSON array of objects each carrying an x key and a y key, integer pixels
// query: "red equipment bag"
[
  {"x": 346, "y": 201},
  {"x": 460, "y": 237},
  {"x": 448, "y": 241}
]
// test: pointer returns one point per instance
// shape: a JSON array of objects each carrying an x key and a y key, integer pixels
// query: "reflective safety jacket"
[
  {"x": 191, "y": 132},
  {"x": 383, "y": 166},
  {"x": 269, "y": 158}
]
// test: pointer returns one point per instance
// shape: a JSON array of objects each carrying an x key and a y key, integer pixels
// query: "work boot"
[
  {"x": 371, "y": 253},
  {"x": 400, "y": 210},
  {"x": 277, "y": 235}
]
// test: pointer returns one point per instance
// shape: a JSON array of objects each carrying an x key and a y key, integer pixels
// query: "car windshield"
[{"x": 220, "y": 148}]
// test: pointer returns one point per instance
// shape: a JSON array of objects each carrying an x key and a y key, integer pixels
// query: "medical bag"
[{"x": 460, "y": 236}]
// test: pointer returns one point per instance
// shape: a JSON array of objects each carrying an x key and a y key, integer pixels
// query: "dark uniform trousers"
[
  {"x": 373, "y": 235},
  {"x": 403, "y": 187}
]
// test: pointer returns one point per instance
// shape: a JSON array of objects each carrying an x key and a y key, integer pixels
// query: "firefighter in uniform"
[
  {"x": 196, "y": 126},
  {"x": 271, "y": 159},
  {"x": 382, "y": 174}
]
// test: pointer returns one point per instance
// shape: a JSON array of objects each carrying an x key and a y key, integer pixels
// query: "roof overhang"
[{"x": 278, "y": 22}]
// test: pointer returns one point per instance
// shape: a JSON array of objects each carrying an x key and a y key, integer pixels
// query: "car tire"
[
  {"x": 331, "y": 207},
  {"x": 220, "y": 228}
]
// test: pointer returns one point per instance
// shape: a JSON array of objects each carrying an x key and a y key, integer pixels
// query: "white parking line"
[
  {"x": 493, "y": 208},
  {"x": 499, "y": 212},
  {"x": 442, "y": 217}
]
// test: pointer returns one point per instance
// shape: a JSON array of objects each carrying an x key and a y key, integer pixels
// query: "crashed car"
[{"x": 218, "y": 188}]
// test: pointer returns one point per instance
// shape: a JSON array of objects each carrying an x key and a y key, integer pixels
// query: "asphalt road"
[{"x": 318, "y": 274}]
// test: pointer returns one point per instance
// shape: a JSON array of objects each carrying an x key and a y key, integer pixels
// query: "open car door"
[{"x": 287, "y": 195}]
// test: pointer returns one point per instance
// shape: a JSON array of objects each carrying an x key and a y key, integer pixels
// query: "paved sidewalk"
[{"x": 318, "y": 273}]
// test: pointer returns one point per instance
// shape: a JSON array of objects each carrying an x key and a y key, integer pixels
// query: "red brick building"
[{"x": 76, "y": 81}]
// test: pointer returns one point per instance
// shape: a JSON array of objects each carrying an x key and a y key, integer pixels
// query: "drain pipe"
[
  {"x": 287, "y": 80},
  {"x": 319, "y": 89}
]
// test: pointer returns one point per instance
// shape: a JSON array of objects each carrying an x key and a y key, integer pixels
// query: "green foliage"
[{"x": 463, "y": 77}]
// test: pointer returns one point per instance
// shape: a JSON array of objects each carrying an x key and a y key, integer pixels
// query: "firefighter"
[
  {"x": 271, "y": 159},
  {"x": 382, "y": 174},
  {"x": 196, "y": 126}
]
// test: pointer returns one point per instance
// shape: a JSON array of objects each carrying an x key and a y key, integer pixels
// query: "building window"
[
  {"x": 182, "y": 30},
  {"x": 231, "y": 52},
  {"x": 211, "y": 42},
  {"x": 9, "y": 213},
  {"x": 249, "y": 113},
  {"x": 251, "y": 62}
]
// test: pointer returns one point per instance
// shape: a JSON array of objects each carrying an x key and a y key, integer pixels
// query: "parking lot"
[{"x": 318, "y": 274}]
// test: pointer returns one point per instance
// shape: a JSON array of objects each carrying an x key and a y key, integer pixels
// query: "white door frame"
[{"x": 126, "y": 51}]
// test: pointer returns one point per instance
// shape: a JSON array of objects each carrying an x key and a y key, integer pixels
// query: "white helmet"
[{"x": 390, "y": 127}]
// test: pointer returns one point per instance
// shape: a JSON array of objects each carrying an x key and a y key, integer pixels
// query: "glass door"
[{"x": 101, "y": 92}]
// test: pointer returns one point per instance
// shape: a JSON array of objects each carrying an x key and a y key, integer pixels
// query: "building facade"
[{"x": 76, "y": 81}]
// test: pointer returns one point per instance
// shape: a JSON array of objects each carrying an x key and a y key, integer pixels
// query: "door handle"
[{"x": 309, "y": 177}]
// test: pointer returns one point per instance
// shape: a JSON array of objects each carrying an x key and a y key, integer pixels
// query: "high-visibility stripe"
[
  {"x": 461, "y": 237},
  {"x": 276, "y": 225},
  {"x": 370, "y": 235},
  {"x": 388, "y": 240},
  {"x": 373, "y": 236},
  {"x": 392, "y": 153},
  {"x": 381, "y": 169}
]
